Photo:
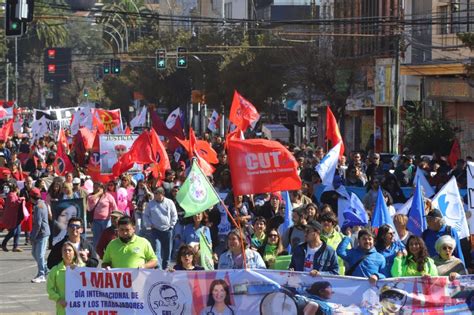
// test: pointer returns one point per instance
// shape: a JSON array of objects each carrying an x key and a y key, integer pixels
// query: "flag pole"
[{"x": 239, "y": 228}]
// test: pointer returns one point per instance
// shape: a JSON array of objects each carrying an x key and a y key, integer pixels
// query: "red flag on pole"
[
  {"x": 62, "y": 164},
  {"x": 332, "y": 131},
  {"x": 455, "y": 153},
  {"x": 259, "y": 166},
  {"x": 7, "y": 130},
  {"x": 207, "y": 168},
  {"x": 242, "y": 113}
]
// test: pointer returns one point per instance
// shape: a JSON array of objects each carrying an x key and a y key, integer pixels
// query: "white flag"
[
  {"x": 80, "y": 119},
  {"x": 327, "y": 167},
  {"x": 214, "y": 121},
  {"x": 428, "y": 190},
  {"x": 39, "y": 128},
  {"x": 470, "y": 192},
  {"x": 140, "y": 119},
  {"x": 449, "y": 202},
  {"x": 173, "y": 118}
]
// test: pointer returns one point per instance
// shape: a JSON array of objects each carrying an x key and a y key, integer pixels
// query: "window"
[
  {"x": 455, "y": 16},
  {"x": 443, "y": 16},
  {"x": 228, "y": 10}
]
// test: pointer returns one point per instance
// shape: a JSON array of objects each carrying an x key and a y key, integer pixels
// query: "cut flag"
[
  {"x": 327, "y": 166},
  {"x": 140, "y": 119},
  {"x": 197, "y": 194},
  {"x": 242, "y": 113},
  {"x": 214, "y": 121},
  {"x": 332, "y": 131},
  {"x": 260, "y": 166},
  {"x": 455, "y": 153},
  {"x": 416, "y": 215},
  {"x": 62, "y": 164}
]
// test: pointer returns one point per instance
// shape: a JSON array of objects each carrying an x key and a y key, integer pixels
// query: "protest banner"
[
  {"x": 62, "y": 211},
  {"x": 112, "y": 147},
  {"x": 139, "y": 291},
  {"x": 55, "y": 118}
]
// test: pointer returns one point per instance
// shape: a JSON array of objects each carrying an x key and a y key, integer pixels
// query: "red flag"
[
  {"x": 160, "y": 127},
  {"x": 127, "y": 130},
  {"x": 93, "y": 169},
  {"x": 455, "y": 153},
  {"x": 97, "y": 123},
  {"x": 62, "y": 164},
  {"x": 204, "y": 149},
  {"x": 146, "y": 149},
  {"x": 332, "y": 131},
  {"x": 259, "y": 166},
  {"x": 242, "y": 112},
  {"x": 207, "y": 168},
  {"x": 111, "y": 119},
  {"x": 7, "y": 130}
]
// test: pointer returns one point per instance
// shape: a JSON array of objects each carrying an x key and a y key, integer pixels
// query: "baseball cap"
[
  {"x": 315, "y": 225},
  {"x": 435, "y": 213},
  {"x": 76, "y": 181},
  {"x": 35, "y": 193}
]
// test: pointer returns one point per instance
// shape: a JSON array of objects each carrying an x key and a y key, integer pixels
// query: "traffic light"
[
  {"x": 86, "y": 93},
  {"x": 106, "y": 67},
  {"x": 161, "y": 59},
  {"x": 13, "y": 26},
  {"x": 57, "y": 65},
  {"x": 181, "y": 57},
  {"x": 115, "y": 66}
]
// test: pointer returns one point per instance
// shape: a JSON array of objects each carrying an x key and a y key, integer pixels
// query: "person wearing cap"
[
  {"x": 109, "y": 233},
  {"x": 39, "y": 234},
  {"x": 364, "y": 260},
  {"x": 75, "y": 227},
  {"x": 445, "y": 262},
  {"x": 160, "y": 217},
  {"x": 437, "y": 227},
  {"x": 314, "y": 256}
]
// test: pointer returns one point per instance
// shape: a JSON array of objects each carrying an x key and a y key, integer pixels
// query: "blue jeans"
[
  {"x": 98, "y": 226},
  {"x": 15, "y": 233},
  {"x": 38, "y": 251},
  {"x": 139, "y": 224},
  {"x": 162, "y": 242}
]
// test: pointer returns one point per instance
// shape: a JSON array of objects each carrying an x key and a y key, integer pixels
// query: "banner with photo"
[
  {"x": 62, "y": 211},
  {"x": 141, "y": 291},
  {"x": 112, "y": 147},
  {"x": 55, "y": 118}
]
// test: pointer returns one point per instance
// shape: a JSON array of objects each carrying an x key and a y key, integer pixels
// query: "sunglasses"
[{"x": 74, "y": 226}]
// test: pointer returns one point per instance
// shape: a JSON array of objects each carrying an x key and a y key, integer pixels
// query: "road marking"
[{"x": 19, "y": 269}]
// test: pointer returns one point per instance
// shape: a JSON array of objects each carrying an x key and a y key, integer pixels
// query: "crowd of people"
[{"x": 161, "y": 237}]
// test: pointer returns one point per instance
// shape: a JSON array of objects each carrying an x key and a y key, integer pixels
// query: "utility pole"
[
  {"x": 16, "y": 69},
  {"x": 395, "y": 130},
  {"x": 7, "y": 79}
]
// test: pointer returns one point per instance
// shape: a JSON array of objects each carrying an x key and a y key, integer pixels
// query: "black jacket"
[{"x": 55, "y": 256}]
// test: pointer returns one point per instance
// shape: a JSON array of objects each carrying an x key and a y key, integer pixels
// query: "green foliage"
[
  {"x": 467, "y": 39},
  {"x": 425, "y": 135}
]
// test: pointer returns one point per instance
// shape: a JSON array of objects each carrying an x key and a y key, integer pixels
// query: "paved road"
[{"x": 17, "y": 294}]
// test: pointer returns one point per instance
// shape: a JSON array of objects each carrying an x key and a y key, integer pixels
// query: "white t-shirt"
[{"x": 308, "y": 260}]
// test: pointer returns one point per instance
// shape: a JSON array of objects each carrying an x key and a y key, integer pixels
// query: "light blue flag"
[
  {"x": 381, "y": 215},
  {"x": 416, "y": 216},
  {"x": 288, "y": 211},
  {"x": 352, "y": 212}
]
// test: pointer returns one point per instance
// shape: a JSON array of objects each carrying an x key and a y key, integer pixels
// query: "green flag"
[
  {"x": 196, "y": 195},
  {"x": 206, "y": 253}
]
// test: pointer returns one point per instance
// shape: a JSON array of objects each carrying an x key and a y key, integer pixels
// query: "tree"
[{"x": 425, "y": 135}]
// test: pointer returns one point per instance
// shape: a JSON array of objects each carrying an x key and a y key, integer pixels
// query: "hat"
[
  {"x": 117, "y": 214},
  {"x": 76, "y": 181},
  {"x": 35, "y": 193},
  {"x": 299, "y": 210},
  {"x": 159, "y": 190},
  {"x": 444, "y": 240},
  {"x": 435, "y": 213},
  {"x": 315, "y": 225},
  {"x": 276, "y": 195}
]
